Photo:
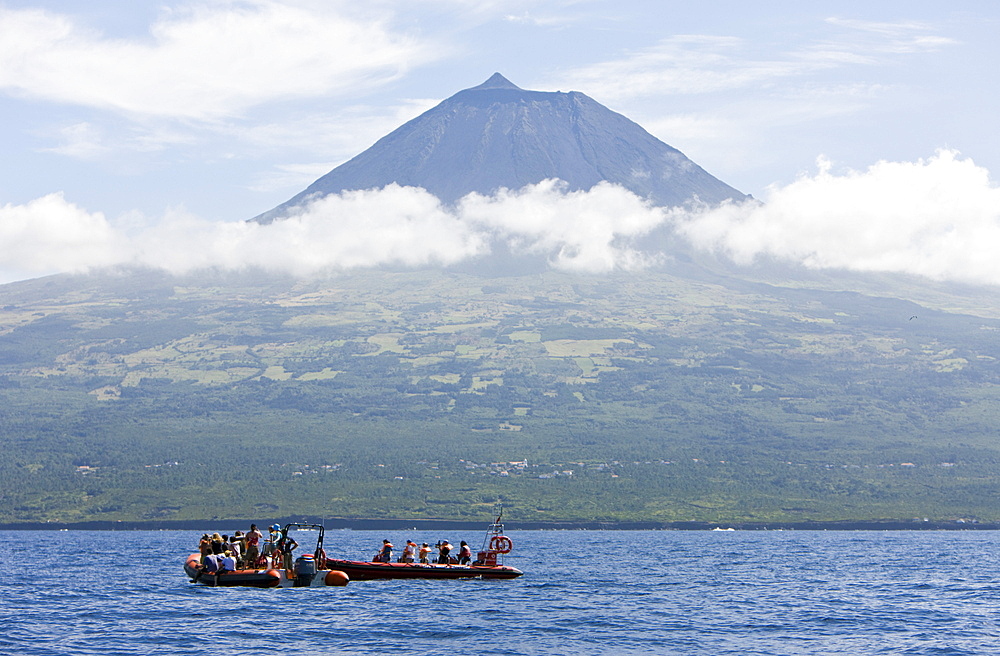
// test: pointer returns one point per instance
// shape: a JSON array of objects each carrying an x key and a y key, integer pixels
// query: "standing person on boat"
[
  {"x": 408, "y": 551},
  {"x": 287, "y": 544},
  {"x": 444, "y": 552},
  {"x": 385, "y": 553},
  {"x": 464, "y": 553},
  {"x": 238, "y": 544},
  {"x": 253, "y": 538},
  {"x": 204, "y": 547},
  {"x": 425, "y": 551},
  {"x": 217, "y": 544},
  {"x": 273, "y": 536}
]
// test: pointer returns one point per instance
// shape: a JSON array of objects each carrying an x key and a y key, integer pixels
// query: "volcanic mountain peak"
[
  {"x": 497, "y": 135},
  {"x": 496, "y": 81}
]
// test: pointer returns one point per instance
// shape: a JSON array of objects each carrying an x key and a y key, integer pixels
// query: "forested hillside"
[{"x": 429, "y": 394}]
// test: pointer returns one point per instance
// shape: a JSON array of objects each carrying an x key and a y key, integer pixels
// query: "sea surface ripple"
[{"x": 583, "y": 592}]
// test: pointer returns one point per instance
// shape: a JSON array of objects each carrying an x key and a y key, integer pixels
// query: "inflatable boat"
[
  {"x": 359, "y": 570},
  {"x": 316, "y": 569},
  {"x": 263, "y": 578},
  {"x": 305, "y": 571},
  {"x": 488, "y": 565}
]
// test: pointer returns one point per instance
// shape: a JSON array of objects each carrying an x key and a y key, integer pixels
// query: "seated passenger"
[
  {"x": 228, "y": 563},
  {"x": 384, "y": 554},
  {"x": 408, "y": 551},
  {"x": 425, "y": 551},
  {"x": 464, "y": 553},
  {"x": 211, "y": 564},
  {"x": 444, "y": 551}
]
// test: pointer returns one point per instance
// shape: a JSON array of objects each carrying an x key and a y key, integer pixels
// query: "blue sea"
[{"x": 583, "y": 592}]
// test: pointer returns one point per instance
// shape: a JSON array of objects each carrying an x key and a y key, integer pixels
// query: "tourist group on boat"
[
  {"x": 252, "y": 558},
  {"x": 411, "y": 553},
  {"x": 222, "y": 553}
]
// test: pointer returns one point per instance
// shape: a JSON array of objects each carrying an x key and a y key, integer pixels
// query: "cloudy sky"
[{"x": 146, "y": 131}]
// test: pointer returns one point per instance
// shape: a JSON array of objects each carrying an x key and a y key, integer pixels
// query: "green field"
[{"x": 426, "y": 394}]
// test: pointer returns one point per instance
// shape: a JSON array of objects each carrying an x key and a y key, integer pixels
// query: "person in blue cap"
[{"x": 273, "y": 537}]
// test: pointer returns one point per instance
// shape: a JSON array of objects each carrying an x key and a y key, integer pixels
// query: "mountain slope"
[
  {"x": 422, "y": 394},
  {"x": 499, "y": 135}
]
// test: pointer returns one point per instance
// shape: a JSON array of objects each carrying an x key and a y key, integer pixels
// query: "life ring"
[{"x": 501, "y": 544}]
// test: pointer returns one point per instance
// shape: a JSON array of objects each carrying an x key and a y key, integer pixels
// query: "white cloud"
[
  {"x": 81, "y": 141},
  {"x": 937, "y": 217},
  {"x": 51, "y": 235},
  {"x": 205, "y": 61},
  {"x": 406, "y": 226},
  {"x": 581, "y": 230},
  {"x": 685, "y": 64},
  {"x": 901, "y": 37},
  {"x": 703, "y": 64}
]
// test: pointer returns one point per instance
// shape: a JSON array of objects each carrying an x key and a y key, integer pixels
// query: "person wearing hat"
[
  {"x": 228, "y": 563},
  {"x": 273, "y": 536},
  {"x": 385, "y": 553}
]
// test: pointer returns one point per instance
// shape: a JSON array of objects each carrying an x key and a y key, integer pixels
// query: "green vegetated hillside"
[{"x": 428, "y": 394}]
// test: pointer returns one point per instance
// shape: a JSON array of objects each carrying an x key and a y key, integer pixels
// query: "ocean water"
[{"x": 583, "y": 592}]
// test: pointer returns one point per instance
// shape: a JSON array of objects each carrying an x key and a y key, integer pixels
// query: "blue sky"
[{"x": 124, "y": 116}]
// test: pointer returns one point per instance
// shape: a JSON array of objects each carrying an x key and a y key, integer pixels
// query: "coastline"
[{"x": 362, "y": 524}]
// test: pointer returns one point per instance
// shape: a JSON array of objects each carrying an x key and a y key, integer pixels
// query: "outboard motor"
[{"x": 305, "y": 570}]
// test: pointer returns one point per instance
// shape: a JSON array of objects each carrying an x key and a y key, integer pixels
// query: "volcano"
[{"x": 497, "y": 135}]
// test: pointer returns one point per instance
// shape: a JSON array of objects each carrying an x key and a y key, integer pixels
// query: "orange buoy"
[{"x": 336, "y": 577}]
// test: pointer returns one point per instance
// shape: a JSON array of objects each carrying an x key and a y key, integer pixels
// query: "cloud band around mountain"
[{"x": 937, "y": 217}]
